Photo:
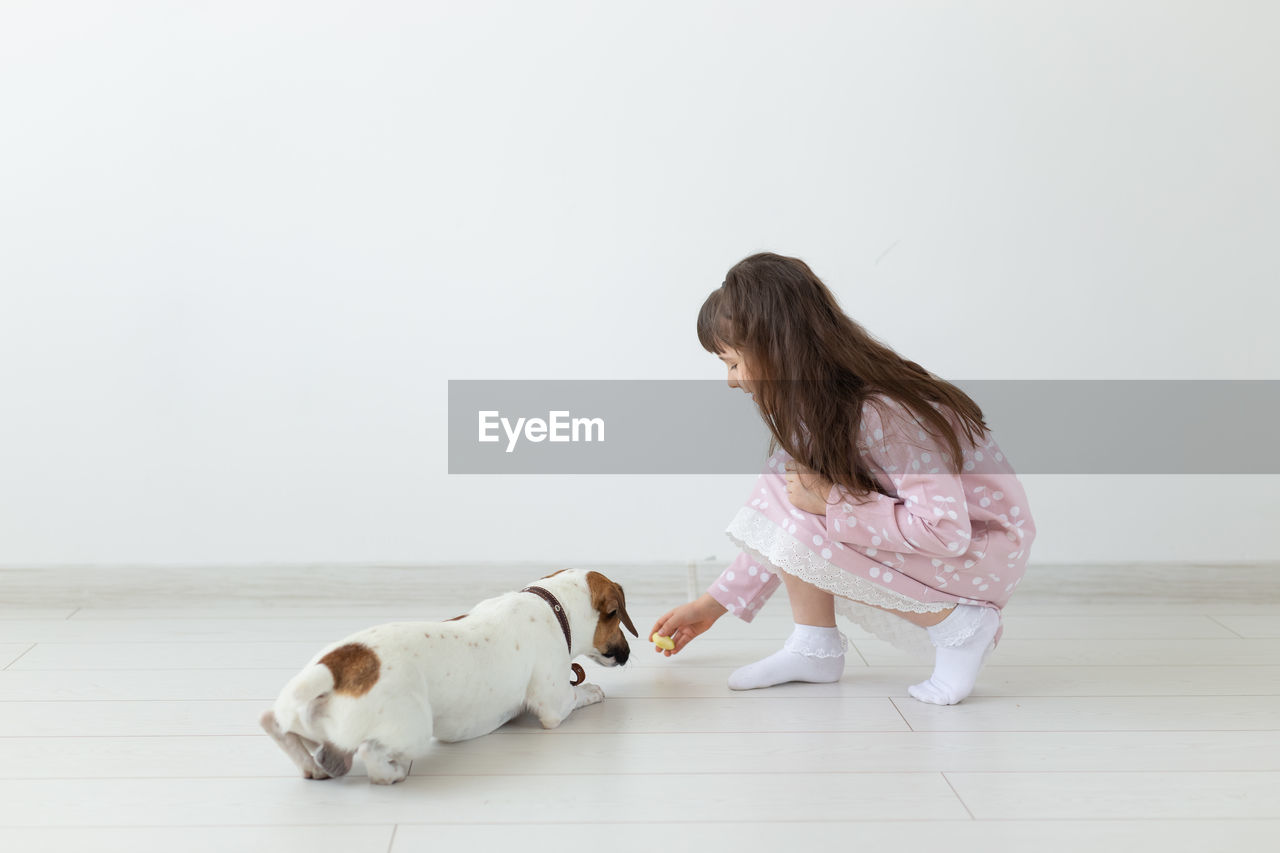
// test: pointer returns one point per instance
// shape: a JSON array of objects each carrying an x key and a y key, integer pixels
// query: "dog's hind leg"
[
  {"x": 294, "y": 746},
  {"x": 384, "y": 766}
]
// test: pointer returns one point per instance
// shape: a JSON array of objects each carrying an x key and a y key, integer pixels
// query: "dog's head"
[{"x": 609, "y": 645}]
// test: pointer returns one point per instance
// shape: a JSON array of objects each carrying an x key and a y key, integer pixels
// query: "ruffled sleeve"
[{"x": 745, "y": 586}]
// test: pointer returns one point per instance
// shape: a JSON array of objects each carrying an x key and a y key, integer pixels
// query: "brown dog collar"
[{"x": 563, "y": 619}]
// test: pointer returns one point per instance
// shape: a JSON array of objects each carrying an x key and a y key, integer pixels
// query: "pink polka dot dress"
[{"x": 933, "y": 539}]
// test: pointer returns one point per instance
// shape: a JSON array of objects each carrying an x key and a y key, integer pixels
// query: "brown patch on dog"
[
  {"x": 355, "y": 669},
  {"x": 553, "y": 574},
  {"x": 610, "y": 602},
  {"x": 456, "y": 618}
]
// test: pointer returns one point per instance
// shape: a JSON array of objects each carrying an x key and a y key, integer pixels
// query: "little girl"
[{"x": 885, "y": 496}]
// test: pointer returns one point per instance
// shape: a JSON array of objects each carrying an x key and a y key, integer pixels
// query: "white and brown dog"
[{"x": 386, "y": 691}]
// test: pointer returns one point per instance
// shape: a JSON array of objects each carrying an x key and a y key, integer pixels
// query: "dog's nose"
[{"x": 622, "y": 654}]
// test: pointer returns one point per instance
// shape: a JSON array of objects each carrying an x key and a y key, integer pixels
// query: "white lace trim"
[
  {"x": 894, "y": 630},
  {"x": 758, "y": 535},
  {"x": 960, "y": 632},
  {"x": 815, "y": 650},
  {"x": 754, "y": 531}
]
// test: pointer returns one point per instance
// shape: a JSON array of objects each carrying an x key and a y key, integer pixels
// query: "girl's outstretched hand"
[{"x": 687, "y": 621}]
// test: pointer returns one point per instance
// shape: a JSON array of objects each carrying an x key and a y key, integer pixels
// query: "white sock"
[
  {"x": 811, "y": 653},
  {"x": 963, "y": 641}
]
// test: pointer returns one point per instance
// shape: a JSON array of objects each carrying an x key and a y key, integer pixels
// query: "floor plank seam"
[
  {"x": 353, "y": 779},
  {"x": 894, "y": 703},
  {"x": 606, "y": 821},
  {"x": 735, "y": 732},
  {"x": 959, "y": 798},
  {"x": 1226, "y": 627},
  {"x": 19, "y": 657}
]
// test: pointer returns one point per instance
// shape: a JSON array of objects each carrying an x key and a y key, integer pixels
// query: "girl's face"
[{"x": 739, "y": 377}]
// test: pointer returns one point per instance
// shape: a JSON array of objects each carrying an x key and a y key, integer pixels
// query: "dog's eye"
[{"x": 612, "y": 613}]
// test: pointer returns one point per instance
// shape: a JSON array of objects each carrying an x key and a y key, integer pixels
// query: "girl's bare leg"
[{"x": 810, "y": 605}]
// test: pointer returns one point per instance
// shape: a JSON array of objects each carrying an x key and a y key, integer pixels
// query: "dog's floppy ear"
[
  {"x": 607, "y": 596},
  {"x": 622, "y": 611}
]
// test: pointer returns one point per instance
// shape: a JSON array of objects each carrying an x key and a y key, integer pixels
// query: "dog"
[{"x": 385, "y": 692}]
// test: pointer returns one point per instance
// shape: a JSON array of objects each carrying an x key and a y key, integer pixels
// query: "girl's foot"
[
  {"x": 963, "y": 641},
  {"x": 811, "y": 654}
]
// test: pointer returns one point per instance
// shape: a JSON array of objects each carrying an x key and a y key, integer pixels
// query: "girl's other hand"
[
  {"x": 806, "y": 490},
  {"x": 687, "y": 621}
]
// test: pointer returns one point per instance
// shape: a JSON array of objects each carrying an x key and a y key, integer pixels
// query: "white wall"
[{"x": 244, "y": 245}]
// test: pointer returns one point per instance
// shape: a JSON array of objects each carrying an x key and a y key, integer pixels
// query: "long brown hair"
[{"x": 814, "y": 367}]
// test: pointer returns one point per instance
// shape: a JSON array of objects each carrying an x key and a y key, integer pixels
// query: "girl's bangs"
[{"x": 715, "y": 330}]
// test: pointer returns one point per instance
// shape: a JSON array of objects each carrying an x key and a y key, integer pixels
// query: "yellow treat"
[{"x": 663, "y": 642}]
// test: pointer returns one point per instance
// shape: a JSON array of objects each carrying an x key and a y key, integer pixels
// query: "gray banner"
[{"x": 705, "y": 427}]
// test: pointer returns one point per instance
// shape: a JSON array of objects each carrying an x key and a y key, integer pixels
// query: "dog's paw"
[
  {"x": 399, "y": 775},
  {"x": 588, "y": 694}
]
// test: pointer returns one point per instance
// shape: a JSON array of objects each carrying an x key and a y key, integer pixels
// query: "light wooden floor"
[{"x": 129, "y": 704}]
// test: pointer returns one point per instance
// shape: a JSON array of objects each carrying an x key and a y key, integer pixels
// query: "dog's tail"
[{"x": 304, "y": 697}]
